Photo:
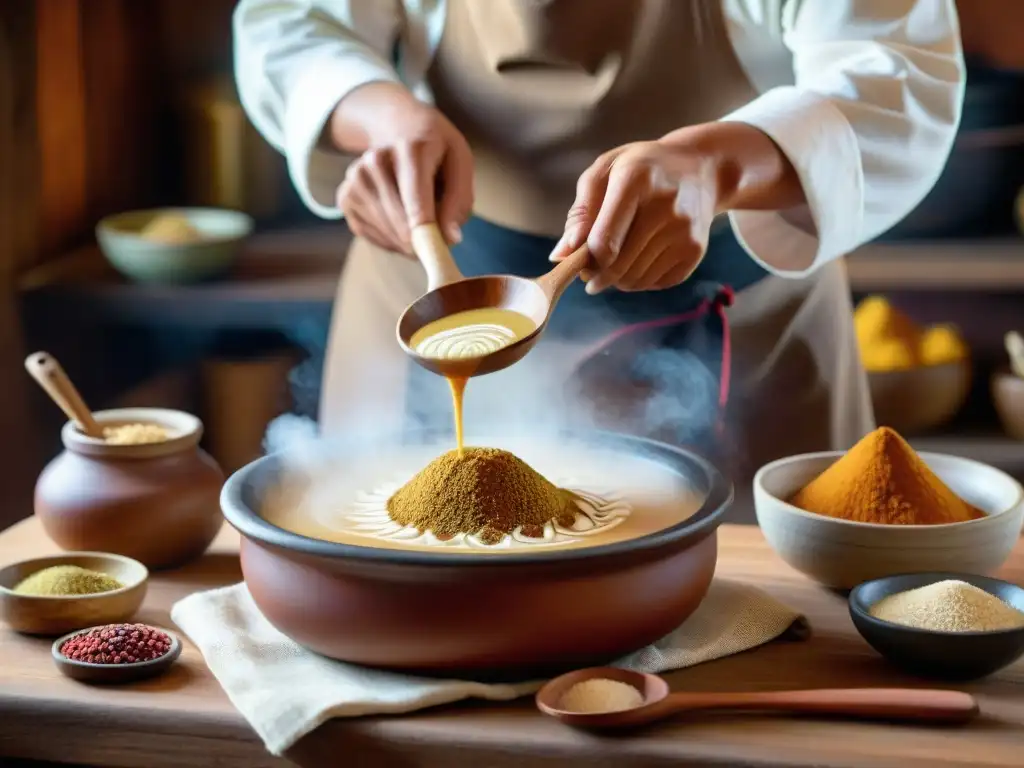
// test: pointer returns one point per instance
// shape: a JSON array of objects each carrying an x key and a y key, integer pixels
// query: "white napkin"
[{"x": 285, "y": 691}]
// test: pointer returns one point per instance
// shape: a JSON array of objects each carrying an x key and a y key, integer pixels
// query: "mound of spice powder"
[
  {"x": 65, "y": 580},
  {"x": 117, "y": 644},
  {"x": 486, "y": 491},
  {"x": 882, "y": 480}
]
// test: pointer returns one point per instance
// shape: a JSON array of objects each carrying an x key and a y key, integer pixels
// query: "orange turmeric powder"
[{"x": 882, "y": 480}]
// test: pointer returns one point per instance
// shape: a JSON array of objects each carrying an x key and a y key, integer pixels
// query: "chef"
[{"x": 718, "y": 157}]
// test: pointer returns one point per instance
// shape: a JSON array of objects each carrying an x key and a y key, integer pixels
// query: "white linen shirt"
[{"x": 863, "y": 96}]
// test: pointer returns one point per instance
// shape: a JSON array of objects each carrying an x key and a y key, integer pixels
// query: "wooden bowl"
[
  {"x": 920, "y": 399},
  {"x": 113, "y": 674},
  {"x": 37, "y": 615},
  {"x": 842, "y": 554},
  {"x": 516, "y": 614},
  {"x": 1008, "y": 398},
  {"x": 942, "y": 655}
]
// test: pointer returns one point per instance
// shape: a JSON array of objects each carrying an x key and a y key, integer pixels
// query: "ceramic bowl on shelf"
[
  {"x": 920, "y": 399},
  {"x": 943, "y": 655},
  {"x": 45, "y": 615},
  {"x": 155, "y": 502},
  {"x": 1008, "y": 398},
  {"x": 530, "y": 609},
  {"x": 842, "y": 553},
  {"x": 214, "y": 238}
]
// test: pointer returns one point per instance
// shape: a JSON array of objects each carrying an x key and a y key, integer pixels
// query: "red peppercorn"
[{"x": 117, "y": 644}]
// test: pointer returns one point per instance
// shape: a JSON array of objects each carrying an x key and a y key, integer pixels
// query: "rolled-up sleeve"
[
  {"x": 294, "y": 61},
  {"x": 868, "y": 125}
]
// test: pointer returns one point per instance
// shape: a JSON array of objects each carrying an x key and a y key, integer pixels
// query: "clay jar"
[{"x": 156, "y": 502}]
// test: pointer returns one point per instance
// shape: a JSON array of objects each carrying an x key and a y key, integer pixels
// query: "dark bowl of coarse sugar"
[
  {"x": 980, "y": 632},
  {"x": 115, "y": 654}
]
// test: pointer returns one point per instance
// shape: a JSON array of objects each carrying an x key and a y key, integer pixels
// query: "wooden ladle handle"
[
  {"x": 568, "y": 269},
  {"x": 431, "y": 249},
  {"x": 1015, "y": 349},
  {"x": 868, "y": 703},
  {"x": 51, "y": 377}
]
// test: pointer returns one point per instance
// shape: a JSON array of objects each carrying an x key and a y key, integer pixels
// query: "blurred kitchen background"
[{"x": 116, "y": 105}]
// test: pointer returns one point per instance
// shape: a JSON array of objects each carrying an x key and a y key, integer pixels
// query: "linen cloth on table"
[{"x": 285, "y": 691}]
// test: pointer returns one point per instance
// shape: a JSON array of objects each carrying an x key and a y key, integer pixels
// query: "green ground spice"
[
  {"x": 64, "y": 580},
  {"x": 486, "y": 491}
]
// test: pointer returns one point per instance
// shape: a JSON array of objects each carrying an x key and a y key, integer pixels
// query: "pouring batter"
[{"x": 632, "y": 125}]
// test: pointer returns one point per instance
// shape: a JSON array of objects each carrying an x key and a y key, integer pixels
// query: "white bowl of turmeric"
[{"x": 880, "y": 509}]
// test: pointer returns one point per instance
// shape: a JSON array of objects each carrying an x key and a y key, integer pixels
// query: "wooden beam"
[
  {"x": 63, "y": 132},
  {"x": 20, "y": 455}
]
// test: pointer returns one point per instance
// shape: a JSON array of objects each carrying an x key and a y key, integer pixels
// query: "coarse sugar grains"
[
  {"x": 600, "y": 695},
  {"x": 948, "y": 606},
  {"x": 135, "y": 434},
  {"x": 117, "y": 644}
]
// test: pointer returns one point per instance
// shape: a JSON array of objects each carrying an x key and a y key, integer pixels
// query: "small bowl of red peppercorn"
[{"x": 116, "y": 653}]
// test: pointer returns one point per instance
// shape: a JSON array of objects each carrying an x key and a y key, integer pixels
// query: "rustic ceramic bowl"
[
  {"x": 37, "y": 615},
  {"x": 841, "y": 554},
  {"x": 920, "y": 399},
  {"x": 146, "y": 261},
  {"x": 500, "y": 615},
  {"x": 1008, "y": 398},
  {"x": 157, "y": 503},
  {"x": 941, "y": 655}
]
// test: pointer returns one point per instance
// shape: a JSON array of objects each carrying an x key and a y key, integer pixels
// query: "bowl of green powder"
[
  {"x": 942, "y": 625},
  {"x": 62, "y": 593}
]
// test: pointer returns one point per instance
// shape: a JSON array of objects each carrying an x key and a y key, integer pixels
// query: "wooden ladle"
[
  {"x": 449, "y": 292},
  {"x": 51, "y": 377},
  {"x": 659, "y": 703}
]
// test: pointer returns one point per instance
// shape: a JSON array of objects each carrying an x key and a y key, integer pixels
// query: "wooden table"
[{"x": 184, "y": 719}]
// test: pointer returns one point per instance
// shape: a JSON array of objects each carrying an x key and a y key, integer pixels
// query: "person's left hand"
[{"x": 645, "y": 210}]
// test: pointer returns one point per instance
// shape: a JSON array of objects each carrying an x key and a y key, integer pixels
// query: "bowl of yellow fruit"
[
  {"x": 920, "y": 377},
  {"x": 182, "y": 245}
]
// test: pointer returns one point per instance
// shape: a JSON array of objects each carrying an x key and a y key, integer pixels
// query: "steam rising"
[{"x": 633, "y": 386}]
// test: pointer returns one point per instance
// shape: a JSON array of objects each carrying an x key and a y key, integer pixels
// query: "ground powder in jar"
[
  {"x": 948, "y": 606},
  {"x": 485, "y": 491},
  {"x": 882, "y": 480},
  {"x": 600, "y": 695},
  {"x": 117, "y": 644},
  {"x": 65, "y": 580},
  {"x": 134, "y": 434}
]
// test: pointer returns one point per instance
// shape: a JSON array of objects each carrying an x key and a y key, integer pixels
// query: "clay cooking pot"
[
  {"x": 501, "y": 615},
  {"x": 156, "y": 502}
]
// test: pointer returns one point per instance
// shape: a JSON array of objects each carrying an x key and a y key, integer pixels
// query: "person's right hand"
[{"x": 417, "y": 169}]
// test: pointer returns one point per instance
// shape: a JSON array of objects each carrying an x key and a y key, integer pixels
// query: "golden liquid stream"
[
  {"x": 458, "y": 387},
  {"x": 465, "y": 335}
]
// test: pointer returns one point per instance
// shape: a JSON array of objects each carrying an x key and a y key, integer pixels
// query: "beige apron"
[{"x": 540, "y": 88}]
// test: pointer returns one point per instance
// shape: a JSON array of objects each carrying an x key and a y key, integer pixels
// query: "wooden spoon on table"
[
  {"x": 448, "y": 292},
  {"x": 49, "y": 374},
  {"x": 906, "y": 704}
]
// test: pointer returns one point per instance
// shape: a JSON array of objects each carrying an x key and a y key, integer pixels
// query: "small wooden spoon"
[
  {"x": 449, "y": 292},
  {"x": 659, "y": 703},
  {"x": 51, "y": 377}
]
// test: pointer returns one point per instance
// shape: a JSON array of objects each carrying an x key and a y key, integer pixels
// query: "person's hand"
[
  {"x": 417, "y": 169},
  {"x": 645, "y": 211}
]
